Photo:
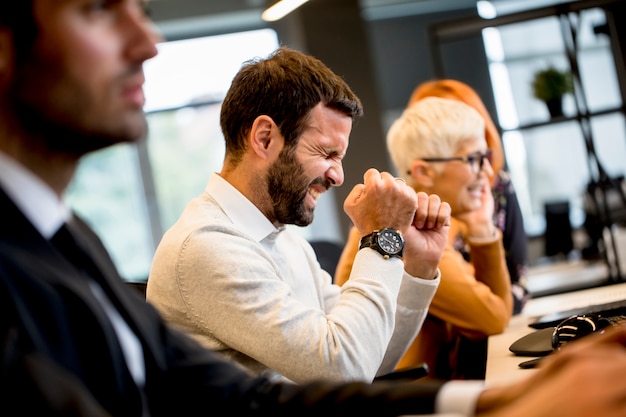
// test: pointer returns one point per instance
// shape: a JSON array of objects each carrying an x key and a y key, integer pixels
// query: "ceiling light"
[
  {"x": 486, "y": 9},
  {"x": 281, "y": 9}
]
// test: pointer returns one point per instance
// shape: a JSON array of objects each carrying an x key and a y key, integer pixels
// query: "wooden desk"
[{"x": 502, "y": 365}]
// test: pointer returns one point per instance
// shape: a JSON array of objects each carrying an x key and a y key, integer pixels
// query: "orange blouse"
[{"x": 473, "y": 301}]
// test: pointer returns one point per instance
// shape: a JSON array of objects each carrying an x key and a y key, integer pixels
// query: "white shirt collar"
[
  {"x": 33, "y": 197},
  {"x": 241, "y": 211}
]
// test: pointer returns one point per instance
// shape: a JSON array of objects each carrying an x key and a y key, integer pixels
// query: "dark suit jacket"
[{"x": 59, "y": 355}]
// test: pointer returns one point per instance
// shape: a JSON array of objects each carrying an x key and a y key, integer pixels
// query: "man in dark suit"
[{"x": 74, "y": 339}]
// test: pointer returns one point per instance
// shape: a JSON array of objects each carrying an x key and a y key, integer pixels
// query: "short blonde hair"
[
  {"x": 431, "y": 128},
  {"x": 458, "y": 90}
]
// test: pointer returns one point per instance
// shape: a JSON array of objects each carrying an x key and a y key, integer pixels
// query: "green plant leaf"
[{"x": 551, "y": 83}]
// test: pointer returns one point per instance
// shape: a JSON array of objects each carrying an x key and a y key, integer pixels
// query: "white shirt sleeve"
[{"x": 459, "y": 397}]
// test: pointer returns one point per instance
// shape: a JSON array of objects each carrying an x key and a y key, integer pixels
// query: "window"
[
  {"x": 548, "y": 159},
  {"x": 139, "y": 191}
]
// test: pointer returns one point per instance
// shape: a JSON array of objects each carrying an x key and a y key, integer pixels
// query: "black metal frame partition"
[{"x": 601, "y": 184}]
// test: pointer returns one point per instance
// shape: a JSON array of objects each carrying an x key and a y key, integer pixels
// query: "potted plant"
[{"x": 550, "y": 85}]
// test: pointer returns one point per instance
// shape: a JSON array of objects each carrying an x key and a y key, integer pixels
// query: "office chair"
[{"x": 328, "y": 254}]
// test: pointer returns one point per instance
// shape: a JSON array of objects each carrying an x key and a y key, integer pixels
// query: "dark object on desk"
[
  {"x": 576, "y": 327},
  {"x": 537, "y": 343},
  {"x": 542, "y": 342},
  {"x": 530, "y": 364},
  {"x": 614, "y": 308}
]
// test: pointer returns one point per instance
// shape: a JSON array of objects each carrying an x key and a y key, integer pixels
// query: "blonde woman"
[{"x": 507, "y": 213}]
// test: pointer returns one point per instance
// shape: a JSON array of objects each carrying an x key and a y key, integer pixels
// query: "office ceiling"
[
  {"x": 225, "y": 7},
  {"x": 212, "y": 7},
  {"x": 187, "y": 16}
]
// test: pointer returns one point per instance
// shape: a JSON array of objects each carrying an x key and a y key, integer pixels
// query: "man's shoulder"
[{"x": 198, "y": 226}]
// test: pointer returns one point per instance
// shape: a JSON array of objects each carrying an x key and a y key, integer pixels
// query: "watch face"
[{"x": 390, "y": 241}]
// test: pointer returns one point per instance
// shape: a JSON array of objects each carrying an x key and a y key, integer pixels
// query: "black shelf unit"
[
  {"x": 577, "y": 117},
  {"x": 601, "y": 185}
]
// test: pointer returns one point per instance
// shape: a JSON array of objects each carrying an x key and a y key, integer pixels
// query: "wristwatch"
[{"x": 387, "y": 242}]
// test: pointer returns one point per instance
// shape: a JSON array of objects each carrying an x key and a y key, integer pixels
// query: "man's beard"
[{"x": 287, "y": 187}]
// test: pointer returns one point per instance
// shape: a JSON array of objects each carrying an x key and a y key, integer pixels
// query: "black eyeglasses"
[{"x": 475, "y": 160}]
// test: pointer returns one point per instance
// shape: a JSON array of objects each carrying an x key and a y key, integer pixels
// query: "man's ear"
[
  {"x": 422, "y": 174},
  {"x": 265, "y": 138}
]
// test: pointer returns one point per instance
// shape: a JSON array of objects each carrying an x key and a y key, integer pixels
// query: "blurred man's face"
[{"x": 82, "y": 84}]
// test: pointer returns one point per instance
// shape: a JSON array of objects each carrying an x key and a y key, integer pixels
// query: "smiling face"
[
  {"x": 436, "y": 145},
  {"x": 302, "y": 174},
  {"x": 88, "y": 60},
  {"x": 461, "y": 183}
]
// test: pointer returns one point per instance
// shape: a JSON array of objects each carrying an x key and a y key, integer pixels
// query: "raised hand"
[
  {"x": 426, "y": 238},
  {"x": 479, "y": 221},
  {"x": 381, "y": 201}
]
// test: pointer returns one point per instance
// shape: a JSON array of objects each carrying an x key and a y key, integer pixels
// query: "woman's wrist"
[{"x": 481, "y": 231}]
